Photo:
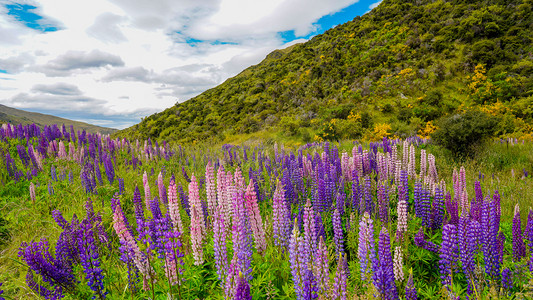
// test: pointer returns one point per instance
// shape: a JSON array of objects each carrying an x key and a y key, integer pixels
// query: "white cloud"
[
  {"x": 134, "y": 57},
  {"x": 374, "y": 5}
]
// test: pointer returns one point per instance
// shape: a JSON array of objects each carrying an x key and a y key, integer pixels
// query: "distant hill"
[
  {"x": 396, "y": 69},
  {"x": 17, "y": 116}
]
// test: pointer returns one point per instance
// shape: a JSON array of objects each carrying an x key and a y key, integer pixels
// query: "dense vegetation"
[
  {"x": 394, "y": 71},
  {"x": 84, "y": 215}
]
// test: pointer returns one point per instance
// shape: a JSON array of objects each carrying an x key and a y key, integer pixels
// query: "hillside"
[
  {"x": 396, "y": 70},
  {"x": 17, "y": 116}
]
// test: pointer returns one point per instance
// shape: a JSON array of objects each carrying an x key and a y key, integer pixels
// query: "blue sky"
[{"x": 112, "y": 62}]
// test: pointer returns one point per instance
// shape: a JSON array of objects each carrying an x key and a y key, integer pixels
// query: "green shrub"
[{"x": 459, "y": 133}]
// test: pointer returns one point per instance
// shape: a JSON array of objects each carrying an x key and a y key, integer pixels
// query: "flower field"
[{"x": 89, "y": 216}]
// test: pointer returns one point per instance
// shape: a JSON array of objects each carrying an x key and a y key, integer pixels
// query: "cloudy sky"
[{"x": 112, "y": 62}]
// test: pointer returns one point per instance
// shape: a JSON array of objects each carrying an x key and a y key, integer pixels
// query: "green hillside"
[
  {"x": 17, "y": 116},
  {"x": 397, "y": 70}
]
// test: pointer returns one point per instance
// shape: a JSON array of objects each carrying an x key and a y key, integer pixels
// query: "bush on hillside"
[{"x": 460, "y": 133}]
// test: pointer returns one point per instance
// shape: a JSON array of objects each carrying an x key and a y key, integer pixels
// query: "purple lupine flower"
[
  {"x": 519, "y": 248},
  {"x": 337, "y": 232},
  {"x": 120, "y": 185},
  {"x": 280, "y": 219},
  {"x": 448, "y": 254},
  {"x": 242, "y": 239},
  {"x": 341, "y": 278},
  {"x": 90, "y": 260},
  {"x": 310, "y": 286},
  {"x": 437, "y": 212},
  {"x": 383, "y": 202},
  {"x": 38, "y": 257},
  {"x": 369, "y": 204},
  {"x": 383, "y": 268},
  {"x": 242, "y": 290},
  {"x": 507, "y": 280},
  {"x": 2, "y": 291},
  {"x": 452, "y": 208},
  {"x": 469, "y": 232},
  {"x": 50, "y": 189},
  {"x": 366, "y": 251},
  {"x": 310, "y": 234},
  {"x": 172, "y": 256},
  {"x": 321, "y": 266},
  {"x": 410, "y": 289},
  {"x": 420, "y": 241},
  {"x": 97, "y": 172}
]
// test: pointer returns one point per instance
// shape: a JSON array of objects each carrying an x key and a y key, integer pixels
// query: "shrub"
[{"x": 459, "y": 133}]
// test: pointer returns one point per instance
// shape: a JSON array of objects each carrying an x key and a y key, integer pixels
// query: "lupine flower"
[
  {"x": 219, "y": 240},
  {"x": 507, "y": 280},
  {"x": 382, "y": 266},
  {"x": 90, "y": 260},
  {"x": 242, "y": 240},
  {"x": 161, "y": 189},
  {"x": 341, "y": 278},
  {"x": 398, "y": 263},
  {"x": 194, "y": 200},
  {"x": 147, "y": 194},
  {"x": 452, "y": 208},
  {"x": 254, "y": 216},
  {"x": 369, "y": 204},
  {"x": 2, "y": 291},
  {"x": 39, "y": 259},
  {"x": 468, "y": 243},
  {"x": 174, "y": 206},
  {"x": 197, "y": 235},
  {"x": 401, "y": 226},
  {"x": 280, "y": 219},
  {"x": 242, "y": 291},
  {"x": 125, "y": 237},
  {"x": 437, "y": 213},
  {"x": 366, "y": 251},
  {"x": 172, "y": 255},
  {"x": 32, "y": 192},
  {"x": 410, "y": 290},
  {"x": 210, "y": 188},
  {"x": 321, "y": 266},
  {"x": 519, "y": 248},
  {"x": 337, "y": 232},
  {"x": 309, "y": 222},
  {"x": 448, "y": 254},
  {"x": 383, "y": 202}
]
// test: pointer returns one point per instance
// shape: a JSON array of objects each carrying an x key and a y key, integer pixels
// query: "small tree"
[{"x": 459, "y": 133}]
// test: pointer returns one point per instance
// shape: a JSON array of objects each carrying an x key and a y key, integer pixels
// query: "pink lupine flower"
[
  {"x": 210, "y": 189},
  {"x": 197, "y": 235},
  {"x": 147, "y": 194},
  {"x": 402, "y": 214},
  {"x": 398, "y": 263},
  {"x": 194, "y": 200},
  {"x": 423, "y": 165},
  {"x": 32, "y": 192},
  {"x": 128, "y": 241},
  {"x": 239, "y": 180},
  {"x": 254, "y": 215},
  {"x": 62, "y": 153},
  {"x": 412, "y": 162},
  {"x": 174, "y": 206}
]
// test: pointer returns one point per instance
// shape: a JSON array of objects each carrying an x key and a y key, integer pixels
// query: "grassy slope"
[
  {"x": 17, "y": 116},
  {"x": 404, "y": 64}
]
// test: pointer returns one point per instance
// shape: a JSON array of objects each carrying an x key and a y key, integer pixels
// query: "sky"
[{"x": 113, "y": 62}]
